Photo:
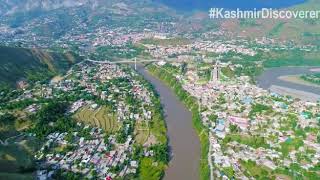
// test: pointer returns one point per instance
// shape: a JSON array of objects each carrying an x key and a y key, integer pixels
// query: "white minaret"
[
  {"x": 135, "y": 63},
  {"x": 215, "y": 72}
]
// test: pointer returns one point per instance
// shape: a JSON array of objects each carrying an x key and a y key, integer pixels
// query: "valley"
[{"x": 149, "y": 90}]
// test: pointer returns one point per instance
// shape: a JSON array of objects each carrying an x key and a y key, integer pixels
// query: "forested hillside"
[{"x": 32, "y": 64}]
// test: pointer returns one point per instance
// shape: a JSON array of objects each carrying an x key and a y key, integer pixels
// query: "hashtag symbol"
[{"x": 212, "y": 13}]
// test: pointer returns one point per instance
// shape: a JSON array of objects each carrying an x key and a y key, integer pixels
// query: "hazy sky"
[{"x": 245, "y": 4}]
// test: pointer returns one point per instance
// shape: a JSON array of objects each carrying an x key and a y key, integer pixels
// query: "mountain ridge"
[{"x": 21, "y": 63}]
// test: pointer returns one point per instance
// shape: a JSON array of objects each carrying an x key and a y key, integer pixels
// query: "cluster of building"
[
  {"x": 117, "y": 87},
  {"x": 120, "y": 36},
  {"x": 108, "y": 82},
  {"x": 86, "y": 150},
  {"x": 217, "y": 47},
  {"x": 248, "y": 124},
  {"x": 93, "y": 156}
]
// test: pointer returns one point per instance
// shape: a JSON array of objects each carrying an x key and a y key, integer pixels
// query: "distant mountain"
[
  {"x": 32, "y": 64},
  {"x": 55, "y": 18},
  {"x": 303, "y": 31},
  {"x": 11, "y": 7},
  {"x": 229, "y": 4},
  {"x": 8, "y": 7}
]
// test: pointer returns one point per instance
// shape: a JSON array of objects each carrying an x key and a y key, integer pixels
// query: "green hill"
[
  {"x": 32, "y": 64},
  {"x": 303, "y": 31}
]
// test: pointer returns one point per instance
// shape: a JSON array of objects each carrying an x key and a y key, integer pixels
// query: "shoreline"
[
  {"x": 189, "y": 102},
  {"x": 183, "y": 137},
  {"x": 297, "y": 80},
  {"x": 302, "y": 95},
  {"x": 286, "y": 81}
]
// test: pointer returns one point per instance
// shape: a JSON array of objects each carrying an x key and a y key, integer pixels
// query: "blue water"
[{"x": 229, "y": 4}]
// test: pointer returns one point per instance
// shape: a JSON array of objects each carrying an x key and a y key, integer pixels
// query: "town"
[
  {"x": 119, "y": 123},
  {"x": 121, "y": 89},
  {"x": 252, "y": 132}
]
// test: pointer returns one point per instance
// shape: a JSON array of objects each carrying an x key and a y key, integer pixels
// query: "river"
[
  {"x": 272, "y": 78},
  {"x": 183, "y": 140}
]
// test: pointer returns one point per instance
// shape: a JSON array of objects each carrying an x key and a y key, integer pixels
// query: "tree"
[
  {"x": 6, "y": 119},
  {"x": 121, "y": 136},
  {"x": 184, "y": 68},
  {"x": 160, "y": 153},
  {"x": 54, "y": 112},
  {"x": 137, "y": 152},
  {"x": 213, "y": 118},
  {"x": 233, "y": 128}
]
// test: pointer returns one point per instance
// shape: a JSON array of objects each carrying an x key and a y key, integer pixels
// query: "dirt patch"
[{"x": 151, "y": 141}]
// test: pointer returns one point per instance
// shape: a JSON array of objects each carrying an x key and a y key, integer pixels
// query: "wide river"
[
  {"x": 183, "y": 140},
  {"x": 272, "y": 77}
]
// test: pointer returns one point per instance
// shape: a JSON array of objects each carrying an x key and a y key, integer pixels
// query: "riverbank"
[
  {"x": 190, "y": 103},
  {"x": 302, "y": 95},
  {"x": 283, "y": 80},
  {"x": 297, "y": 80}
]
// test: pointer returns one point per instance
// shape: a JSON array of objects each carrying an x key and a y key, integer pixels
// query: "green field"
[
  {"x": 254, "y": 170},
  {"x": 142, "y": 132},
  {"x": 101, "y": 117},
  {"x": 158, "y": 128},
  {"x": 149, "y": 171}
]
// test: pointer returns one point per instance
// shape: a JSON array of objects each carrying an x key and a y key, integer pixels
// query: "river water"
[
  {"x": 183, "y": 140},
  {"x": 270, "y": 77}
]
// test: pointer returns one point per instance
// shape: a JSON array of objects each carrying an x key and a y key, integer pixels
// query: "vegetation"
[
  {"x": 61, "y": 174},
  {"x": 276, "y": 29},
  {"x": 52, "y": 118},
  {"x": 252, "y": 169},
  {"x": 32, "y": 65},
  {"x": 227, "y": 72},
  {"x": 258, "y": 109},
  {"x": 253, "y": 141},
  {"x": 291, "y": 144},
  {"x": 16, "y": 159},
  {"x": 101, "y": 117},
  {"x": 314, "y": 78},
  {"x": 150, "y": 171},
  {"x": 161, "y": 153},
  {"x": 127, "y": 51},
  {"x": 166, "y": 42},
  {"x": 196, "y": 119},
  {"x": 292, "y": 57},
  {"x": 7, "y": 127}
]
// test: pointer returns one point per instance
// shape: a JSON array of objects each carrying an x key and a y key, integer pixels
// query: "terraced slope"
[{"x": 100, "y": 117}]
